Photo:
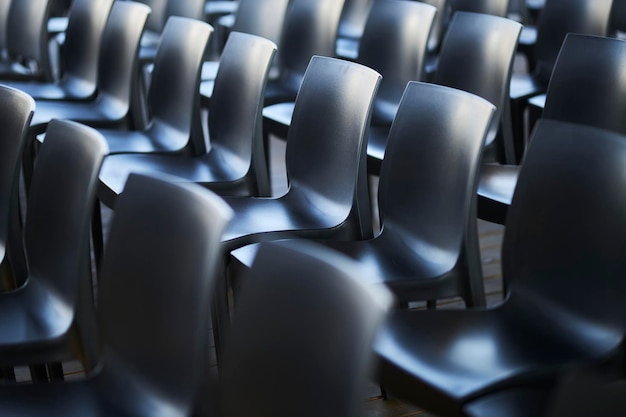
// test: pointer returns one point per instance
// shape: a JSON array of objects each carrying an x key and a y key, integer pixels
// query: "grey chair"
[
  {"x": 79, "y": 66},
  {"x": 303, "y": 326},
  {"x": 49, "y": 318},
  {"x": 566, "y": 223},
  {"x": 586, "y": 87},
  {"x": 427, "y": 248},
  {"x": 154, "y": 339}
]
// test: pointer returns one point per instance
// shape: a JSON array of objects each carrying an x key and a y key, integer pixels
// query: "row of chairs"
[{"x": 352, "y": 121}]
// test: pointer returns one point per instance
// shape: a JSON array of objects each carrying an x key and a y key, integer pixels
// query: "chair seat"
[
  {"x": 496, "y": 186},
  {"x": 92, "y": 113},
  {"x": 157, "y": 138},
  {"x": 376, "y": 143},
  {"x": 524, "y": 86},
  {"x": 516, "y": 402},
  {"x": 464, "y": 354},
  {"x": 69, "y": 89},
  {"x": 209, "y": 70},
  {"x": 220, "y": 7}
]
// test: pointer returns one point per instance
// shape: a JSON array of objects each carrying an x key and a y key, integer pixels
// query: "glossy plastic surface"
[
  {"x": 564, "y": 269},
  {"x": 235, "y": 163},
  {"x": 305, "y": 318},
  {"x": 50, "y": 317},
  {"x": 154, "y": 338},
  {"x": 80, "y": 55},
  {"x": 117, "y": 75},
  {"x": 173, "y": 97}
]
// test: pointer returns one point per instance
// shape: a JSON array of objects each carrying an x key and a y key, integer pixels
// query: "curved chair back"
[
  {"x": 261, "y": 18},
  {"x": 154, "y": 296},
  {"x": 439, "y": 25},
  {"x": 58, "y": 216},
  {"x": 86, "y": 22},
  {"x": 302, "y": 321},
  {"x": 326, "y": 160},
  {"x": 156, "y": 20},
  {"x": 448, "y": 131},
  {"x": 560, "y": 17},
  {"x": 27, "y": 35},
  {"x": 5, "y": 5},
  {"x": 394, "y": 43},
  {"x": 353, "y": 18},
  {"x": 118, "y": 72},
  {"x": 310, "y": 29},
  {"x": 193, "y": 9},
  {"x": 174, "y": 94},
  {"x": 236, "y": 110},
  {"x": 566, "y": 230},
  {"x": 17, "y": 109},
  {"x": 617, "y": 19},
  {"x": 587, "y": 85},
  {"x": 473, "y": 59},
  {"x": 492, "y": 7}
]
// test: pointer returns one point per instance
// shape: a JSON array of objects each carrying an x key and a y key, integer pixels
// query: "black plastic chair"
[
  {"x": 303, "y": 326},
  {"x": 235, "y": 162},
  {"x": 558, "y": 18},
  {"x": 586, "y": 88},
  {"x": 428, "y": 245},
  {"x": 27, "y": 42},
  {"x": 310, "y": 29},
  {"x": 50, "y": 317},
  {"x": 4, "y": 20},
  {"x": 395, "y": 44},
  {"x": 261, "y": 18},
  {"x": 153, "y": 308},
  {"x": 328, "y": 194},
  {"x": 474, "y": 60},
  {"x": 118, "y": 102},
  {"x": 79, "y": 71},
  {"x": 563, "y": 264},
  {"x": 16, "y": 109},
  {"x": 351, "y": 26},
  {"x": 173, "y": 98}
]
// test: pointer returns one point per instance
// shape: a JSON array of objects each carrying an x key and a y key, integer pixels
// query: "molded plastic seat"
[
  {"x": 235, "y": 162},
  {"x": 394, "y": 43},
  {"x": 154, "y": 339},
  {"x": 79, "y": 70},
  {"x": 17, "y": 109},
  {"x": 562, "y": 261},
  {"x": 428, "y": 244},
  {"x": 558, "y": 18},
  {"x": 310, "y": 29},
  {"x": 50, "y": 317},
  {"x": 351, "y": 26},
  {"x": 173, "y": 97},
  {"x": 328, "y": 194},
  {"x": 586, "y": 87},
  {"x": 261, "y": 18},
  {"x": 27, "y": 42},
  {"x": 117, "y": 87},
  {"x": 303, "y": 326}
]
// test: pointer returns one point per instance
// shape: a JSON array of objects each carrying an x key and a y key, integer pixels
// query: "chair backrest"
[
  {"x": 17, "y": 109},
  {"x": 236, "y": 109},
  {"x": 310, "y": 29},
  {"x": 303, "y": 326},
  {"x": 394, "y": 43},
  {"x": 59, "y": 210},
  {"x": 429, "y": 174},
  {"x": 326, "y": 156},
  {"x": 118, "y": 74},
  {"x": 439, "y": 25},
  {"x": 27, "y": 35},
  {"x": 154, "y": 295},
  {"x": 5, "y": 5},
  {"x": 353, "y": 18},
  {"x": 560, "y": 17},
  {"x": 193, "y": 9},
  {"x": 617, "y": 19},
  {"x": 566, "y": 233},
  {"x": 477, "y": 56},
  {"x": 587, "y": 85},
  {"x": 174, "y": 93},
  {"x": 493, "y": 7},
  {"x": 261, "y": 18},
  {"x": 86, "y": 22}
]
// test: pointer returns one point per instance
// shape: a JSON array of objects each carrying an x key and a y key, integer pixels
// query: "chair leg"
[
  {"x": 38, "y": 373},
  {"x": 220, "y": 313},
  {"x": 97, "y": 234},
  {"x": 55, "y": 370}
]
